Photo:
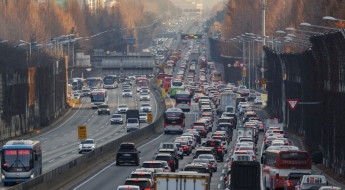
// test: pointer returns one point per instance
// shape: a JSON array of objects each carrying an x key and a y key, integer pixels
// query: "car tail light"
[
  {"x": 288, "y": 183},
  {"x": 209, "y": 166},
  {"x": 219, "y": 149},
  {"x": 165, "y": 124},
  {"x": 189, "y": 104},
  {"x": 147, "y": 188},
  {"x": 204, "y": 131},
  {"x": 171, "y": 162},
  {"x": 166, "y": 168},
  {"x": 277, "y": 177},
  {"x": 230, "y": 164},
  {"x": 185, "y": 147},
  {"x": 192, "y": 126},
  {"x": 181, "y": 150}
]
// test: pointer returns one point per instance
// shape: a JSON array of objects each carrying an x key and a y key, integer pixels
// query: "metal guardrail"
[{"x": 63, "y": 174}]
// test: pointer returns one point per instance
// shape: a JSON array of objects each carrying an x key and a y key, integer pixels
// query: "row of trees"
[
  {"x": 245, "y": 16},
  {"x": 33, "y": 21}
]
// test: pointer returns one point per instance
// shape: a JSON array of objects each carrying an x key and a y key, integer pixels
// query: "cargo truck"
[
  {"x": 227, "y": 103},
  {"x": 182, "y": 181},
  {"x": 245, "y": 175}
]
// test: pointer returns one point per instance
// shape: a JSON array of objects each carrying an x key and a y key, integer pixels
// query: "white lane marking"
[
  {"x": 53, "y": 148},
  {"x": 116, "y": 133},
  {"x": 221, "y": 178},
  {"x": 111, "y": 164},
  {"x": 64, "y": 144},
  {"x": 218, "y": 186},
  {"x": 84, "y": 123},
  {"x": 121, "y": 130},
  {"x": 63, "y": 155},
  {"x": 171, "y": 101},
  {"x": 43, "y": 151},
  {"x": 65, "y": 135},
  {"x": 73, "y": 131},
  {"x": 96, "y": 131},
  {"x": 74, "y": 151},
  {"x": 88, "y": 120},
  {"x": 261, "y": 183},
  {"x": 102, "y": 127},
  {"x": 51, "y": 160},
  {"x": 61, "y": 124},
  {"x": 92, "y": 115}
]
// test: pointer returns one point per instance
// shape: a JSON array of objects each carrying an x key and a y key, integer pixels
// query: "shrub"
[{"x": 316, "y": 157}]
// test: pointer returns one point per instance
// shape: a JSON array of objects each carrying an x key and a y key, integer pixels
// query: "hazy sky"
[{"x": 208, "y": 4}]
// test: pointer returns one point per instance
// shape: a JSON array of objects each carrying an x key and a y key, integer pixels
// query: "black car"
[
  {"x": 171, "y": 160},
  {"x": 171, "y": 151},
  {"x": 251, "y": 96},
  {"x": 195, "y": 167},
  {"x": 103, "y": 109},
  {"x": 143, "y": 183},
  {"x": 217, "y": 145},
  {"x": 127, "y": 154}
]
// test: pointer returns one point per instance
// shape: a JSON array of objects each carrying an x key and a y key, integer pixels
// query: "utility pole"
[{"x": 263, "y": 7}]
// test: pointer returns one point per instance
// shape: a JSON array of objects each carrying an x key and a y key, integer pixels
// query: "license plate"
[
  {"x": 126, "y": 154},
  {"x": 173, "y": 126},
  {"x": 18, "y": 181}
]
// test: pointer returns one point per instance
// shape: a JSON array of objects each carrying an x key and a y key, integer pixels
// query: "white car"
[
  {"x": 144, "y": 97},
  {"x": 87, "y": 145},
  {"x": 144, "y": 90},
  {"x": 122, "y": 108},
  {"x": 126, "y": 93},
  {"x": 212, "y": 160},
  {"x": 143, "y": 117},
  {"x": 258, "y": 100},
  {"x": 145, "y": 107}
]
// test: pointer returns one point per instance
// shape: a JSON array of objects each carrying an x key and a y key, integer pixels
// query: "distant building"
[{"x": 189, "y": 7}]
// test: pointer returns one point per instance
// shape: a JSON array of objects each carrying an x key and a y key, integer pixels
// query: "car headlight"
[
  {"x": 80, "y": 146},
  {"x": 99, "y": 109},
  {"x": 2, "y": 176},
  {"x": 108, "y": 109},
  {"x": 31, "y": 176},
  {"x": 93, "y": 146}
]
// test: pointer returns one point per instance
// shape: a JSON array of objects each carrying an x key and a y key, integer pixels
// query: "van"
[{"x": 132, "y": 124}]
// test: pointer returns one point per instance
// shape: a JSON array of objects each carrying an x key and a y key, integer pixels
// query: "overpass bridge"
[{"x": 123, "y": 63}]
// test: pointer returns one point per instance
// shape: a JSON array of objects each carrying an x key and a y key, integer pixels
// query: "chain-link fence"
[{"x": 316, "y": 77}]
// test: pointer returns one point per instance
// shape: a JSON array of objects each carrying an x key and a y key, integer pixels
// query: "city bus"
[
  {"x": 280, "y": 163},
  {"x": 166, "y": 83},
  {"x": 21, "y": 160},
  {"x": 142, "y": 82},
  {"x": 175, "y": 85},
  {"x": 91, "y": 82},
  {"x": 97, "y": 98},
  {"x": 109, "y": 82},
  {"x": 174, "y": 120},
  {"x": 183, "y": 100}
]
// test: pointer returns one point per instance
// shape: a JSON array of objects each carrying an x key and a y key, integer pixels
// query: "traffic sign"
[
  {"x": 257, "y": 81},
  {"x": 82, "y": 133},
  {"x": 292, "y": 103},
  {"x": 229, "y": 65},
  {"x": 241, "y": 64},
  {"x": 163, "y": 93},
  {"x": 149, "y": 118},
  {"x": 262, "y": 69},
  {"x": 244, "y": 68},
  {"x": 244, "y": 73}
]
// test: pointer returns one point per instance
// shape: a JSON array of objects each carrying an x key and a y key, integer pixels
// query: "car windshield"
[
  {"x": 122, "y": 106},
  {"x": 196, "y": 169},
  {"x": 142, "y": 114},
  {"x": 116, "y": 116},
  {"x": 205, "y": 156},
  {"x": 152, "y": 165},
  {"x": 103, "y": 106},
  {"x": 145, "y": 105},
  {"x": 144, "y": 93},
  {"x": 86, "y": 90},
  {"x": 163, "y": 158},
  {"x": 87, "y": 142},
  {"x": 126, "y": 90},
  {"x": 141, "y": 175}
]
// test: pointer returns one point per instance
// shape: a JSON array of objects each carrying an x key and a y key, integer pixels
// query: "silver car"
[
  {"x": 144, "y": 97},
  {"x": 143, "y": 117}
]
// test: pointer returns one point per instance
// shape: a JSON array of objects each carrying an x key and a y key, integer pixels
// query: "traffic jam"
[{"x": 231, "y": 143}]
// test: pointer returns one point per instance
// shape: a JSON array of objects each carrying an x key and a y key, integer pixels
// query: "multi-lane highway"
[
  {"x": 60, "y": 144},
  {"x": 112, "y": 176}
]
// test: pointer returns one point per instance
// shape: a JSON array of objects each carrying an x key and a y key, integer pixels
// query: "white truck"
[
  {"x": 182, "y": 181},
  {"x": 311, "y": 182},
  {"x": 227, "y": 103}
]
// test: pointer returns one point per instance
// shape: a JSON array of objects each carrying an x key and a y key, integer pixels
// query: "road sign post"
[
  {"x": 149, "y": 118},
  {"x": 82, "y": 132},
  {"x": 292, "y": 103}
]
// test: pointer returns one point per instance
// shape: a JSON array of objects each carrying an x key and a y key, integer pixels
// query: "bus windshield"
[
  {"x": 97, "y": 98},
  {"x": 17, "y": 160},
  {"x": 176, "y": 83},
  {"x": 109, "y": 80},
  {"x": 173, "y": 117},
  {"x": 142, "y": 82}
]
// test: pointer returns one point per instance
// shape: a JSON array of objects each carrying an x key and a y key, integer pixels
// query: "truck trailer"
[{"x": 182, "y": 181}]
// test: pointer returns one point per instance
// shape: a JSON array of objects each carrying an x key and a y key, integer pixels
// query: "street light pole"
[{"x": 263, "y": 6}]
